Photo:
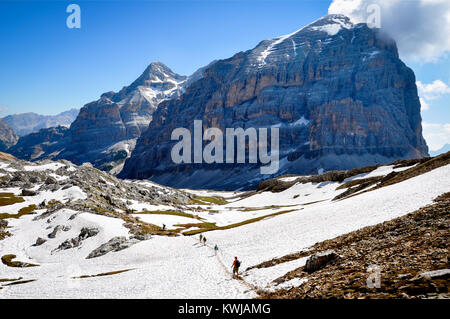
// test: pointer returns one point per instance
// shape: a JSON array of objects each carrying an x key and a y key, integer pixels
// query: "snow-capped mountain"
[
  {"x": 120, "y": 117},
  {"x": 105, "y": 131},
  {"x": 337, "y": 91}
]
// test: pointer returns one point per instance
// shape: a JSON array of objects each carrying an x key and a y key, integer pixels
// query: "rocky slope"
[
  {"x": 409, "y": 253},
  {"x": 45, "y": 143},
  {"x": 105, "y": 130},
  {"x": 338, "y": 93},
  {"x": 27, "y": 123},
  {"x": 7, "y": 136}
]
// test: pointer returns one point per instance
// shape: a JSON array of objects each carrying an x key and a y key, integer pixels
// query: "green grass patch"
[
  {"x": 8, "y": 280},
  {"x": 22, "y": 211},
  {"x": 103, "y": 274},
  {"x": 198, "y": 225},
  {"x": 315, "y": 202},
  {"x": 252, "y": 209},
  {"x": 207, "y": 200},
  {"x": 9, "y": 199},
  {"x": 19, "y": 282},
  {"x": 8, "y": 261},
  {"x": 53, "y": 202},
  {"x": 168, "y": 212},
  {"x": 212, "y": 226}
]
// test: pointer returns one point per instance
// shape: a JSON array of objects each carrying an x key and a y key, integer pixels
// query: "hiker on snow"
[
  {"x": 201, "y": 238},
  {"x": 216, "y": 249},
  {"x": 204, "y": 240},
  {"x": 235, "y": 266}
]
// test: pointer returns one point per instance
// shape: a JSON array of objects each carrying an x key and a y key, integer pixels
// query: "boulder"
[
  {"x": 50, "y": 180},
  {"x": 115, "y": 244},
  {"x": 85, "y": 233},
  {"x": 436, "y": 274},
  {"x": 319, "y": 260},
  {"x": 3, "y": 223},
  {"x": 40, "y": 241},
  {"x": 28, "y": 192},
  {"x": 55, "y": 231}
]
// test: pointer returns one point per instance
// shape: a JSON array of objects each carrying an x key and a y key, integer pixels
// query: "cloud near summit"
[{"x": 420, "y": 27}]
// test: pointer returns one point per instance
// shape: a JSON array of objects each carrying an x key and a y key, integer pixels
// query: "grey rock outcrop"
[
  {"x": 28, "y": 192},
  {"x": 115, "y": 244},
  {"x": 7, "y": 136},
  {"x": 3, "y": 223},
  {"x": 85, "y": 233},
  {"x": 55, "y": 231},
  {"x": 338, "y": 93},
  {"x": 319, "y": 260},
  {"x": 436, "y": 274},
  {"x": 40, "y": 241}
]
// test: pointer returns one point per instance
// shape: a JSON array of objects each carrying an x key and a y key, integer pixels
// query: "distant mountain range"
[{"x": 26, "y": 123}]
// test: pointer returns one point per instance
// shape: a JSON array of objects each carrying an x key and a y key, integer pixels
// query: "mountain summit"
[
  {"x": 337, "y": 91},
  {"x": 105, "y": 131}
]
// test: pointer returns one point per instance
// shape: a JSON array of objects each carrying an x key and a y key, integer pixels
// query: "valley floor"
[{"x": 272, "y": 233}]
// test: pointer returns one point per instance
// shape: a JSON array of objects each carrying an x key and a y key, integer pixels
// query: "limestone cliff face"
[
  {"x": 338, "y": 92},
  {"x": 7, "y": 136},
  {"x": 107, "y": 128}
]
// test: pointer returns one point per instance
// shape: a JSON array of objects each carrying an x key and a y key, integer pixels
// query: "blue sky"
[{"x": 48, "y": 68}]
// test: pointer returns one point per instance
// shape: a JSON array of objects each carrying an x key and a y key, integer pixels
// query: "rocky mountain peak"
[
  {"x": 158, "y": 71},
  {"x": 157, "y": 83},
  {"x": 157, "y": 75},
  {"x": 340, "y": 19},
  {"x": 105, "y": 131},
  {"x": 337, "y": 91}
]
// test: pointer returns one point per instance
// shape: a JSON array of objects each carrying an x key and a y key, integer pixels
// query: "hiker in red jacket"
[{"x": 235, "y": 266}]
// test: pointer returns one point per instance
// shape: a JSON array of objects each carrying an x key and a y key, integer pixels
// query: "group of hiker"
[{"x": 236, "y": 263}]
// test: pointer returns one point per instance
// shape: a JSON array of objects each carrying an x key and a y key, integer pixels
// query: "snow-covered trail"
[
  {"x": 220, "y": 259},
  {"x": 160, "y": 268}
]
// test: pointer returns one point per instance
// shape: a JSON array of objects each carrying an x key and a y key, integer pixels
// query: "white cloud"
[
  {"x": 433, "y": 90},
  {"x": 421, "y": 28},
  {"x": 436, "y": 135}
]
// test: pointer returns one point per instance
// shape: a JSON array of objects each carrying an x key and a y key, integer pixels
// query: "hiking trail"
[{"x": 226, "y": 269}]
